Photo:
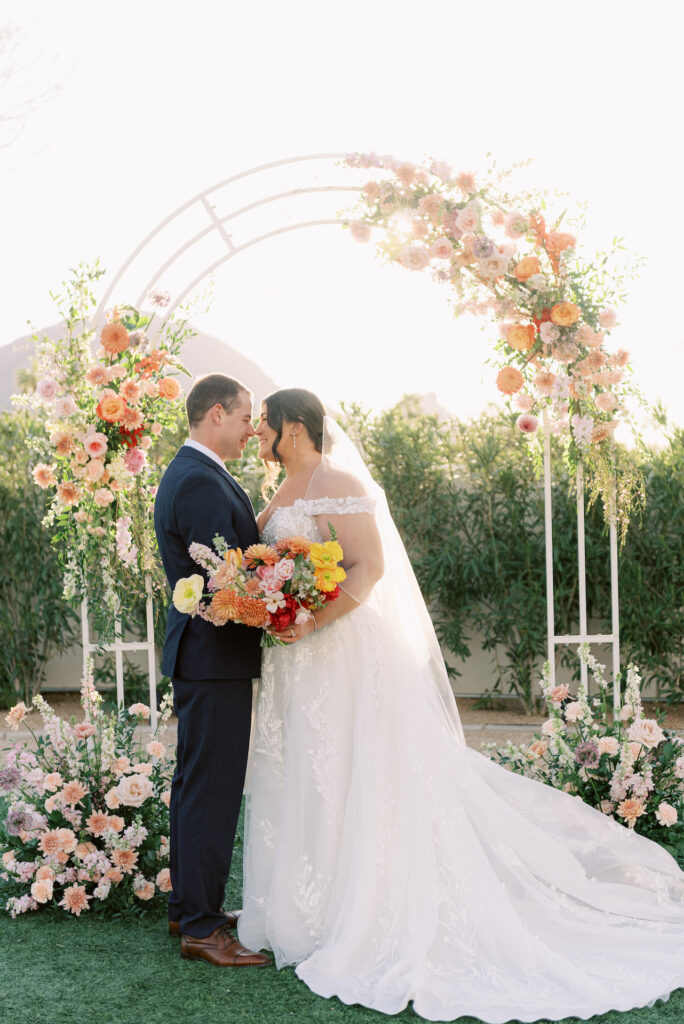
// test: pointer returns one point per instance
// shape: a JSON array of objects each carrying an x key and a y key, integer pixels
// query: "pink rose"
[
  {"x": 515, "y": 224},
  {"x": 95, "y": 445},
  {"x": 666, "y": 814},
  {"x": 46, "y": 389},
  {"x": 414, "y": 257},
  {"x": 647, "y": 732},
  {"x": 469, "y": 218},
  {"x": 608, "y": 318},
  {"x": 528, "y": 424},
  {"x": 450, "y": 223},
  {"x": 441, "y": 249},
  {"x": 605, "y": 401},
  {"x": 360, "y": 231},
  {"x": 64, "y": 406}
]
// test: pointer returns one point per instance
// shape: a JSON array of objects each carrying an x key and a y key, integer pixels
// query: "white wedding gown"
[{"x": 391, "y": 863}]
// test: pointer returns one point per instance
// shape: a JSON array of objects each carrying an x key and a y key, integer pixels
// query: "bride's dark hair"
[{"x": 292, "y": 405}]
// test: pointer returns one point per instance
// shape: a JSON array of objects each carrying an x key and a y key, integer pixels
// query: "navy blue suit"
[{"x": 212, "y": 670}]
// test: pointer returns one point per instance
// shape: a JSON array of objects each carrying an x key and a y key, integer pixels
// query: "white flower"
[{"x": 133, "y": 790}]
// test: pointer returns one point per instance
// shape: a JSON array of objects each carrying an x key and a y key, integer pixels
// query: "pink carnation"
[
  {"x": 134, "y": 460},
  {"x": 608, "y": 745},
  {"x": 608, "y": 318},
  {"x": 528, "y": 424},
  {"x": 360, "y": 231},
  {"x": 83, "y": 729}
]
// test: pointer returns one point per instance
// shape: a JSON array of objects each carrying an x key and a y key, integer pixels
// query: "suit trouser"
[{"x": 214, "y": 719}]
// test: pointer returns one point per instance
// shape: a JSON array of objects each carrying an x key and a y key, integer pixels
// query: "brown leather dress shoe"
[
  {"x": 231, "y": 917},
  {"x": 222, "y": 949}
]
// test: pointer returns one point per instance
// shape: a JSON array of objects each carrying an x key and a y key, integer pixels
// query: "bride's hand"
[{"x": 291, "y": 634}]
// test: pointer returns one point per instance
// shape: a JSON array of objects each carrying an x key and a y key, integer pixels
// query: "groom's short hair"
[{"x": 208, "y": 391}]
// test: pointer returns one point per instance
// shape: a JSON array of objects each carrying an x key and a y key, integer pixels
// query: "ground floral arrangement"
[
  {"x": 627, "y": 767},
  {"x": 97, "y": 414},
  {"x": 87, "y": 822},
  {"x": 555, "y": 310}
]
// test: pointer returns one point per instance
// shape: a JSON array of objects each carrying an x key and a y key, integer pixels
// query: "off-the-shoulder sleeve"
[{"x": 336, "y": 506}]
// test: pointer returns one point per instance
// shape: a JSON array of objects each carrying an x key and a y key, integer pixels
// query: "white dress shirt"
[{"x": 198, "y": 446}]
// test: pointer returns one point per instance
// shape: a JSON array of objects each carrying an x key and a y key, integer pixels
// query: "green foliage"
[
  {"x": 35, "y": 621},
  {"x": 471, "y": 511}
]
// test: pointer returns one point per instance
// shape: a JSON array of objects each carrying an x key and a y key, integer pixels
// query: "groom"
[{"x": 211, "y": 669}]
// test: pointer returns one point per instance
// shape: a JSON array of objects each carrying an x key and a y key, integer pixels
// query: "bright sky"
[{"x": 159, "y": 100}]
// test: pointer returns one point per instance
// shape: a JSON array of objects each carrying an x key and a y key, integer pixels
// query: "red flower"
[
  {"x": 543, "y": 319},
  {"x": 131, "y": 437},
  {"x": 284, "y": 617},
  {"x": 331, "y": 595}
]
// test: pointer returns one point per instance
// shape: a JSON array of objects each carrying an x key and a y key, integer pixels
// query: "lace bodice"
[{"x": 299, "y": 519}]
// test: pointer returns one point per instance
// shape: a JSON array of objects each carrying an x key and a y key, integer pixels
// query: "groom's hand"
[{"x": 291, "y": 634}]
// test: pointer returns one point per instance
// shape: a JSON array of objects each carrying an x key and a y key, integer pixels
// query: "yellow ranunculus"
[
  {"x": 187, "y": 594},
  {"x": 327, "y": 579},
  {"x": 326, "y": 556}
]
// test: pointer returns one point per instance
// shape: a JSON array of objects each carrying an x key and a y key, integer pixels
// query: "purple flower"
[
  {"x": 9, "y": 779},
  {"x": 483, "y": 247},
  {"x": 19, "y": 819},
  {"x": 587, "y": 755}
]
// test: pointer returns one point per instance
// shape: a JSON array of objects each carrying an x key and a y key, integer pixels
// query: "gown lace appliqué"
[{"x": 392, "y": 863}]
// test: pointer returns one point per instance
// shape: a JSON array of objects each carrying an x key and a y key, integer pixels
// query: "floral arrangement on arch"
[
  {"x": 87, "y": 823},
  {"x": 555, "y": 313},
  {"x": 627, "y": 767},
  {"x": 97, "y": 415}
]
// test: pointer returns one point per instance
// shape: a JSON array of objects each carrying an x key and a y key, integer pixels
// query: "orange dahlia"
[
  {"x": 509, "y": 380},
  {"x": 294, "y": 545},
  {"x": 257, "y": 554},
  {"x": 253, "y": 612},
  {"x": 114, "y": 338},
  {"x": 224, "y": 607}
]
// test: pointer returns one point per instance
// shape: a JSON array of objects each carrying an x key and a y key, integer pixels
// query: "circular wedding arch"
[{"x": 222, "y": 226}]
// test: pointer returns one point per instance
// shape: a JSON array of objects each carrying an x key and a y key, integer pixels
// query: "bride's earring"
[{"x": 294, "y": 440}]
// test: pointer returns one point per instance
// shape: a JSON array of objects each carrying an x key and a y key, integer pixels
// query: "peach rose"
[
  {"x": 647, "y": 732},
  {"x": 527, "y": 267},
  {"x": 103, "y": 497},
  {"x": 134, "y": 790},
  {"x": 608, "y": 745},
  {"x": 565, "y": 314},
  {"x": 111, "y": 408},
  {"x": 509, "y": 380},
  {"x": 164, "y": 880},
  {"x": 142, "y": 768},
  {"x": 521, "y": 336}
]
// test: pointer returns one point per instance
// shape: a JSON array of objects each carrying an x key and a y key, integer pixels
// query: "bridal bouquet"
[
  {"x": 627, "y": 767},
  {"x": 84, "y": 822},
  {"x": 263, "y": 586}
]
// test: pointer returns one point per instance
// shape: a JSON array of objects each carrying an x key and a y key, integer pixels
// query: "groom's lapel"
[{"x": 187, "y": 452}]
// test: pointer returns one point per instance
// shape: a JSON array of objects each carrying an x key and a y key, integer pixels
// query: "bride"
[{"x": 385, "y": 858}]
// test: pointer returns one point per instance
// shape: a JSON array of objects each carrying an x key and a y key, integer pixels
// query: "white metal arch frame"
[{"x": 217, "y": 224}]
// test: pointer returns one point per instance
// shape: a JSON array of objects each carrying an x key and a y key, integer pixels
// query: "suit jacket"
[{"x": 197, "y": 500}]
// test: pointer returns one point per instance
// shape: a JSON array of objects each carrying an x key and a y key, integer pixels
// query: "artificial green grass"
[{"x": 61, "y": 970}]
